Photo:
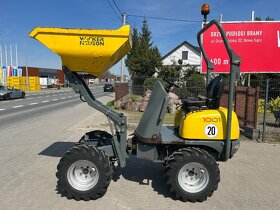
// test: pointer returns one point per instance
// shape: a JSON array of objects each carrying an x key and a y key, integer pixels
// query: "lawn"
[{"x": 134, "y": 117}]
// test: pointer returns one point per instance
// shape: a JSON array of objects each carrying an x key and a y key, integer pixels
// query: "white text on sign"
[{"x": 278, "y": 37}]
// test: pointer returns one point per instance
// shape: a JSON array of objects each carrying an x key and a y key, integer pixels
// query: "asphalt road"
[{"x": 16, "y": 111}]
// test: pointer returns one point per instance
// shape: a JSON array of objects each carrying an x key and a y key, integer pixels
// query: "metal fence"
[
  {"x": 193, "y": 88},
  {"x": 247, "y": 105},
  {"x": 273, "y": 89},
  {"x": 268, "y": 125},
  {"x": 189, "y": 88}
]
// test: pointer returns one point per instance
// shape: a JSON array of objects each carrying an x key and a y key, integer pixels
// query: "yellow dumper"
[
  {"x": 86, "y": 50},
  {"x": 203, "y": 132}
]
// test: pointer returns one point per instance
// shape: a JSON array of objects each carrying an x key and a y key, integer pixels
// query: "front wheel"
[
  {"x": 83, "y": 173},
  {"x": 8, "y": 96},
  {"x": 192, "y": 174}
]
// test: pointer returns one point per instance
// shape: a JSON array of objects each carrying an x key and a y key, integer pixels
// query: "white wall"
[{"x": 193, "y": 57}]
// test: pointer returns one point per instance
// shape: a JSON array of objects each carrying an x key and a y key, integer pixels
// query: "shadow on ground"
[
  {"x": 140, "y": 171},
  {"x": 273, "y": 125},
  {"x": 144, "y": 172},
  {"x": 57, "y": 149}
]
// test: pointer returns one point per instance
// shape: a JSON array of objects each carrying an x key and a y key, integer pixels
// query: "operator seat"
[{"x": 214, "y": 92}]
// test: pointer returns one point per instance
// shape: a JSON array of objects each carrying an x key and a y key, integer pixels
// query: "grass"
[
  {"x": 110, "y": 104},
  {"x": 276, "y": 140},
  {"x": 134, "y": 117}
]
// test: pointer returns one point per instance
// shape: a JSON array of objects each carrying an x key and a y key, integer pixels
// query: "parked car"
[
  {"x": 9, "y": 93},
  {"x": 108, "y": 88}
]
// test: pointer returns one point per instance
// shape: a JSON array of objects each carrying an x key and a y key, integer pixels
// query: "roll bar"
[{"x": 234, "y": 75}]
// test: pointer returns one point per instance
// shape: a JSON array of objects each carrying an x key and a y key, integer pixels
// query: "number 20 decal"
[{"x": 211, "y": 130}]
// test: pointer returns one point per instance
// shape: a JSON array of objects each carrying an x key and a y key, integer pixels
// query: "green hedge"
[
  {"x": 273, "y": 105},
  {"x": 149, "y": 82},
  {"x": 110, "y": 103}
]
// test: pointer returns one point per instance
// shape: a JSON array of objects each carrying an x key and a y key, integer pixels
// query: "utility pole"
[
  {"x": 16, "y": 55},
  {"x": 122, "y": 61},
  {"x": 26, "y": 66},
  {"x": 221, "y": 18},
  {"x": 11, "y": 55},
  {"x": 6, "y": 56}
]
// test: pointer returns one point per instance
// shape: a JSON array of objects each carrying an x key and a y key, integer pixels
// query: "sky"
[{"x": 19, "y": 17}]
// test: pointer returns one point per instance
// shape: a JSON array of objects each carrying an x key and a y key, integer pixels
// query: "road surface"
[{"x": 16, "y": 111}]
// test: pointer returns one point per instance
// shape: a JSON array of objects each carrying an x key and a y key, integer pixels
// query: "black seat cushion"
[{"x": 214, "y": 92}]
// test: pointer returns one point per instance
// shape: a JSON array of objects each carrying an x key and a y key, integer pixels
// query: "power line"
[
  {"x": 166, "y": 19},
  {"x": 114, "y": 10},
  {"x": 117, "y": 7}
]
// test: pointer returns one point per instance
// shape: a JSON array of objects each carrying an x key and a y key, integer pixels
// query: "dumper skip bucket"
[{"x": 86, "y": 50}]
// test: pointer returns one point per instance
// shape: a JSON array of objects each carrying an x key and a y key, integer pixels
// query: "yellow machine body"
[
  {"x": 206, "y": 124},
  {"x": 86, "y": 50}
]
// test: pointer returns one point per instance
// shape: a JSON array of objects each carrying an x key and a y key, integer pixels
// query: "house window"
[{"x": 185, "y": 55}]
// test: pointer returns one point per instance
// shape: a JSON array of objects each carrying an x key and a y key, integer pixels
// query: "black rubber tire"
[
  {"x": 89, "y": 153},
  {"x": 97, "y": 134},
  {"x": 180, "y": 158},
  {"x": 8, "y": 96},
  {"x": 22, "y": 95}
]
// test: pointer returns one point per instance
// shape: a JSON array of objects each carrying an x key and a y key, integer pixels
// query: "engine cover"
[{"x": 206, "y": 124}]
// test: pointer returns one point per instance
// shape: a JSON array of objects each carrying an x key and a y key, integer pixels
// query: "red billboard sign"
[{"x": 257, "y": 43}]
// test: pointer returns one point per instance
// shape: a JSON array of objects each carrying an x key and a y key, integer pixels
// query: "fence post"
[
  {"x": 246, "y": 106},
  {"x": 257, "y": 93},
  {"x": 265, "y": 109}
]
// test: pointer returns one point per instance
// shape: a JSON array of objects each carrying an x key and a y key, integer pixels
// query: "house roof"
[{"x": 195, "y": 48}]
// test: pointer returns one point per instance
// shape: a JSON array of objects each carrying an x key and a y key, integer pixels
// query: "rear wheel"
[
  {"x": 84, "y": 173},
  {"x": 8, "y": 96},
  {"x": 22, "y": 95},
  {"x": 192, "y": 174}
]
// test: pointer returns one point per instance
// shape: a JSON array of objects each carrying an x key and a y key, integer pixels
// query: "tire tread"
[
  {"x": 187, "y": 154},
  {"x": 89, "y": 152}
]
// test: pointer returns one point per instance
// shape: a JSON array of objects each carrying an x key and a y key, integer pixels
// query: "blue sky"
[{"x": 19, "y": 17}]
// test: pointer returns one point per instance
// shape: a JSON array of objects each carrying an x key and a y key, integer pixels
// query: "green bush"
[
  {"x": 274, "y": 104},
  {"x": 194, "y": 86},
  {"x": 149, "y": 82},
  {"x": 133, "y": 97},
  {"x": 261, "y": 105},
  {"x": 110, "y": 103}
]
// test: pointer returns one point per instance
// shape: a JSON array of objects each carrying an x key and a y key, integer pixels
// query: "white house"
[{"x": 186, "y": 52}]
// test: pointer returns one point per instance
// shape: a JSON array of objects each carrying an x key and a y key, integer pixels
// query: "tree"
[
  {"x": 144, "y": 58},
  {"x": 133, "y": 57},
  {"x": 258, "y": 18},
  {"x": 267, "y": 18},
  {"x": 107, "y": 75}
]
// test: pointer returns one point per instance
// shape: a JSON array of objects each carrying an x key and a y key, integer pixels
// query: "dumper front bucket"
[{"x": 86, "y": 50}]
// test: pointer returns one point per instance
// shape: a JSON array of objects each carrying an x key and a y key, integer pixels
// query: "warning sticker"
[{"x": 211, "y": 130}]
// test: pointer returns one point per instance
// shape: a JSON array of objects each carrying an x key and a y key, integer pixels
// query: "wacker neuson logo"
[{"x": 92, "y": 40}]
